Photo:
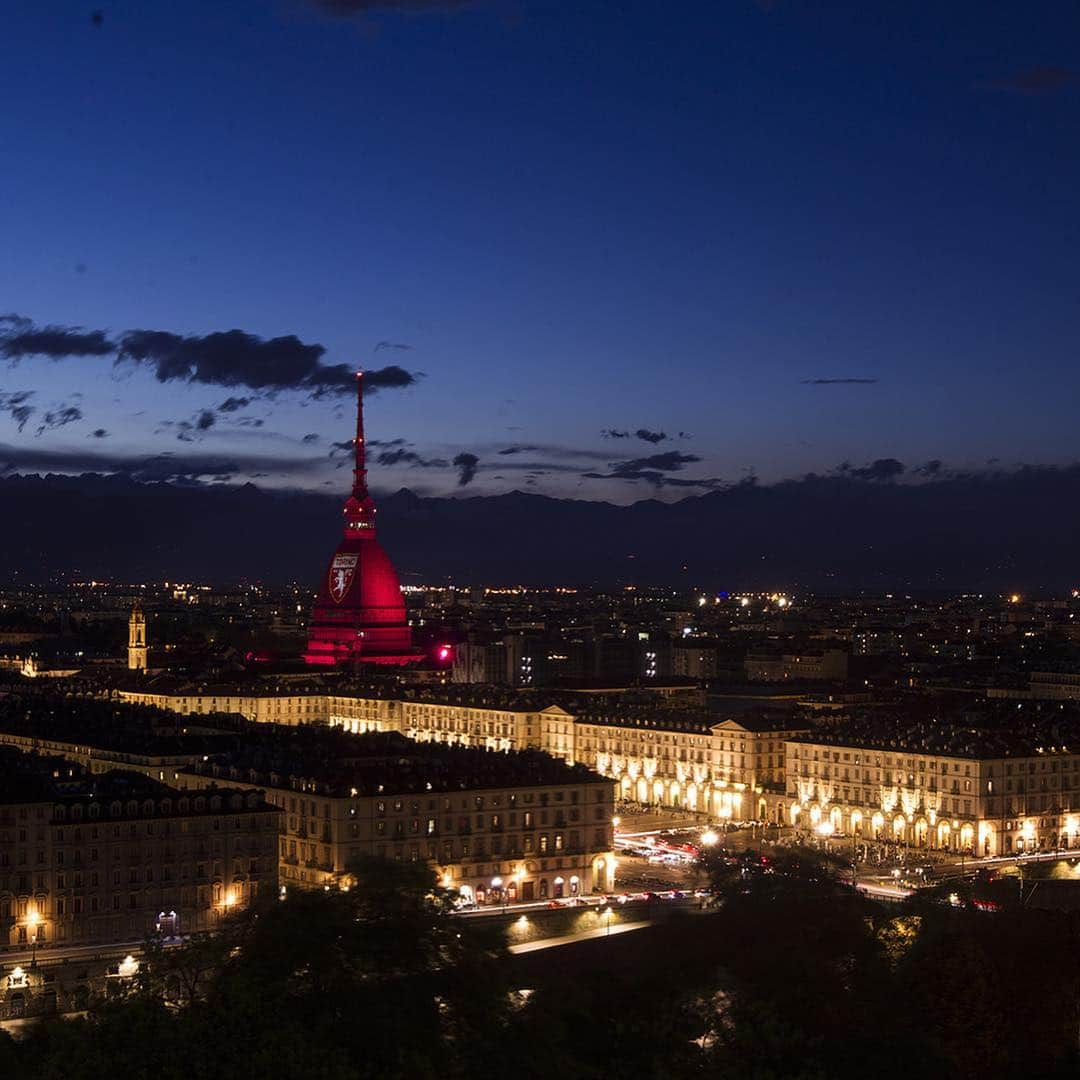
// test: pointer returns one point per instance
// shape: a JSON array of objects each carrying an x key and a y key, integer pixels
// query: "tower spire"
[{"x": 360, "y": 490}]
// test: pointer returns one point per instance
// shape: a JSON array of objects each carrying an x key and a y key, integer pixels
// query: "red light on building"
[
  {"x": 444, "y": 654},
  {"x": 360, "y": 614}
]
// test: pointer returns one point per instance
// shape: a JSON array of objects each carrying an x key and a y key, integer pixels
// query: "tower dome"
[{"x": 359, "y": 614}]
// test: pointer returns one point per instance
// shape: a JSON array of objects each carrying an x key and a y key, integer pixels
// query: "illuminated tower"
[
  {"x": 137, "y": 639},
  {"x": 359, "y": 614}
]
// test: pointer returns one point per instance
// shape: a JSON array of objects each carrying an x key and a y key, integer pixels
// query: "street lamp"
[
  {"x": 33, "y": 921},
  {"x": 709, "y": 837},
  {"x": 607, "y": 912}
]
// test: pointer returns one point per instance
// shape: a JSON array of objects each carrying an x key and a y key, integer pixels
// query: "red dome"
[{"x": 359, "y": 613}]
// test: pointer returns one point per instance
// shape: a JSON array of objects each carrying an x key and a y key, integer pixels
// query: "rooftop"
[
  {"x": 339, "y": 763},
  {"x": 42, "y": 778},
  {"x": 995, "y": 730}
]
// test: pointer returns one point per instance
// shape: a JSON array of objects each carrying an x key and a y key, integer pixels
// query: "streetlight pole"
[{"x": 33, "y": 920}]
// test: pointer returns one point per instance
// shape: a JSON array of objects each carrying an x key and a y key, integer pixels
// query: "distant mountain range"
[{"x": 1001, "y": 530}]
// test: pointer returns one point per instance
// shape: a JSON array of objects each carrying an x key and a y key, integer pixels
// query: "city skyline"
[{"x": 595, "y": 254}]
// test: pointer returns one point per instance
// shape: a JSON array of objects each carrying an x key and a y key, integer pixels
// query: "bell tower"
[{"x": 137, "y": 647}]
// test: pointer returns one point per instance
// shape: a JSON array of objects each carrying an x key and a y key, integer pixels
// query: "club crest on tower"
[{"x": 341, "y": 574}]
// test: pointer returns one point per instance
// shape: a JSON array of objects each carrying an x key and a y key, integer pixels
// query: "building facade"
[
  {"x": 100, "y": 860},
  {"x": 983, "y": 802},
  {"x": 672, "y": 756},
  {"x": 493, "y": 843}
]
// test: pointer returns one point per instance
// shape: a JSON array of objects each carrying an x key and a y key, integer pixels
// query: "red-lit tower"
[{"x": 359, "y": 614}]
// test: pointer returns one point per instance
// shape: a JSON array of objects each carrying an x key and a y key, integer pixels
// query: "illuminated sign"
[{"x": 342, "y": 570}]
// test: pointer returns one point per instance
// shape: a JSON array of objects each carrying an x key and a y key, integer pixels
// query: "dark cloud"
[
  {"x": 839, "y": 382},
  {"x": 189, "y": 430},
  {"x": 341, "y": 447},
  {"x": 467, "y": 464},
  {"x": 532, "y": 466},
  {"x": 644, "y": 434},
  {"x": 99, "y": 433},
  {"x": 15, "y": 404},
  {"x": 156, "y": 467},
  {"x": 20, "y": 338},
  {"x": 234, "y": 404},
  {"x": 408, "y": 457},
  {"x": 60, "y": 417},
  {"x": 931, "y": 468},
  {"x": 654, "y": 469},
  {"x": 671, "y": 461},
  {"x": 390, "y": 345},
  {"x": 224, "y": 358},
  {"x": 1036, "y": 80},
  {"x": 310, "y": 437},
  {"x": 250, "y": 421},
  {"x": 228, "y": 358},
  {"x": 879, "y": 470},
  {"x": 657, "y": 479},
  {"x": 341, "y": 379},
  {"x": 568, "y": 453},
  {"x": 387, "y": 442},
  {"x": 346, "y": 9}
]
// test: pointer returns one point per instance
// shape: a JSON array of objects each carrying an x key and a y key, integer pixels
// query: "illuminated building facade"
[
  {"x": 359, "y": 615},
  {"x": 545, "y": 832},
  {"x": 984, "y": 800},
  {"x": 681, "y": 758},
  {"x": 725, "y": 769},
  {"x": 137, "y": 643}
]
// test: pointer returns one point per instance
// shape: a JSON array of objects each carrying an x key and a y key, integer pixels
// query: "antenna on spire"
[{"x": 360, "y": 469}]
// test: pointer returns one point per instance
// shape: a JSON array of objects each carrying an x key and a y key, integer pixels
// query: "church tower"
[{"x": 137, "y": 639}]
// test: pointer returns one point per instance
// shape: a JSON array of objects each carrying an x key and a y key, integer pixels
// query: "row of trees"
[{"x": 794, "y": 975}]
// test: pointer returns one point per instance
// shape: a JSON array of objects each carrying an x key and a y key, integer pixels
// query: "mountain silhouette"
[{"x": 975, "y": 531}]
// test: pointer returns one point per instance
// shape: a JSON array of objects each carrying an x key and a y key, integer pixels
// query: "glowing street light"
[
  {"x": 33, "y": 921},
  {"x": 709, "y": 837}
]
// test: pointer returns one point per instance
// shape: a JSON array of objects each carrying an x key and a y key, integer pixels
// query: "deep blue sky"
[{"x": 580, "y": 216}]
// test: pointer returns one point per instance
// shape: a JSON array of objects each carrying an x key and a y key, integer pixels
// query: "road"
[
  {"x": 51, "y": 954},
  {"x": 584, "y": 935}
]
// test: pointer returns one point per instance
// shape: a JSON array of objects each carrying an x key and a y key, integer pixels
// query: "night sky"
[{"x": 649, "y": 249}]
